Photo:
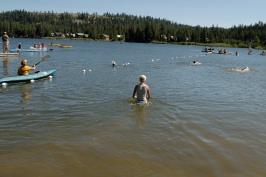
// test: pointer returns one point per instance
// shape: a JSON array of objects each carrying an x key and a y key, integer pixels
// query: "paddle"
[{"x": 43, "y": 59}]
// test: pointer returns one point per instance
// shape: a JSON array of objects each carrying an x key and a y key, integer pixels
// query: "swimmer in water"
[
  {"x": 114, "y": 64},
  {"x": 245, "y": 69},
  {"x": 196, "y": 63}
]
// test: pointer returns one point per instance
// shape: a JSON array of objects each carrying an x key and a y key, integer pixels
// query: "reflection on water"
[
  {"x": 25, "y": 93},
  {"x": 5, "y": 66},
  {"x": 6, "y": 62},
  {"x": 37, "y": 54}
]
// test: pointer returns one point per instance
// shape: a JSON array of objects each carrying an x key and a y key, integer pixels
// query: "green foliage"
[{"x": 20, "y": 23}]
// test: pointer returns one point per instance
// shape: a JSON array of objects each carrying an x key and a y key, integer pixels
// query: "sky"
[{"x": 206, "y": 13}]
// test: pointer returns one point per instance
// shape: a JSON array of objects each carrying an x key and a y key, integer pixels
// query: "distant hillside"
[{"x": 20, "y": 23}]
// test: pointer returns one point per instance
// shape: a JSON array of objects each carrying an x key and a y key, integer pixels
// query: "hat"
[{"x": 142, "y": 78}]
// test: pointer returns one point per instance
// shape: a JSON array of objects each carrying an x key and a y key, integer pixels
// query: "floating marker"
[
  {"x": 4, "y": 84},
  {"x": 31, "y": 80}
]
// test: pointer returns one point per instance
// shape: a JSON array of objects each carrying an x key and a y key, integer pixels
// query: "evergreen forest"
[{"x": 21, "y": 23}]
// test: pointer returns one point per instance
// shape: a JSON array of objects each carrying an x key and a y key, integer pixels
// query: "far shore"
[{"x": 224, "y": 45}]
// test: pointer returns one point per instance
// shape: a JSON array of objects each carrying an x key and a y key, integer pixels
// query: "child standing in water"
[{"x": 141, "y": 91}]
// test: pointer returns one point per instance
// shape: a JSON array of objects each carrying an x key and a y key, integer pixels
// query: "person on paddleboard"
[
  {"x": 24, "y": 69},
  {"x": 19, "y": 46},
  {"x": 5, "y": 40},
  {"x": 141, "y": 91}
]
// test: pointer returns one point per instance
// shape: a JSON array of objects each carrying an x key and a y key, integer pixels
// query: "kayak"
[
  {"x": 65, "y": 46},
  {"x": 27, "y": 78},
  {"x": 28, "y": 50},
  {"x": 53, "y": 44}
]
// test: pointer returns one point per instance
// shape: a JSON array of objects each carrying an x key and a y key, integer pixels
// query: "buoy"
[
  {"x": 31, "y": 80},
  {"x": 50, "y": 77},
  {"x": 4, "y": 84},
  {"x": 84, "y": 70},
  {"x": 90, "y": 70}
]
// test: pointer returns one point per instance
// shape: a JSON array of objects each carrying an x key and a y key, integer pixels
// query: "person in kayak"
[
  {"x": 141, "y": 91},
  {"x": 24, "y": 69}
]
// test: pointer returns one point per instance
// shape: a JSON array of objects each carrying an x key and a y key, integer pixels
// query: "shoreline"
[{"x": 242, "y": 45}]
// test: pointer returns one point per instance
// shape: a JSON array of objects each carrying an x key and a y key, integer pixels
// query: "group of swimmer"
[
  {"x": 243, "y": 69},
  {"x": 41, "y": 46},
  {"x": 222, "y": 51},
  {"x": 142, "y": 91},
  {"x": 208, "y": 49},
  {"x": 263, "y": 53},
  {"x": 35, "y": 46},
  {"x": 211, "y": 50}
]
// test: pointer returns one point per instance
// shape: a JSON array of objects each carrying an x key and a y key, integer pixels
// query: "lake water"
[{"x": 202, "y": 121}]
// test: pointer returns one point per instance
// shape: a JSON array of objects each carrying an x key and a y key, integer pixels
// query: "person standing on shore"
[
  {"x": 141, "y": 91},
  {"x": 5, "y": 39}
]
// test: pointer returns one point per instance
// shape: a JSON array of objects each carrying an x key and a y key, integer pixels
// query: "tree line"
[{"x": 21, "y": 23}]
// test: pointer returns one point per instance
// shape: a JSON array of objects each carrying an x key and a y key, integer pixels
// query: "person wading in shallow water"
[{"x": 141, "y": 91}]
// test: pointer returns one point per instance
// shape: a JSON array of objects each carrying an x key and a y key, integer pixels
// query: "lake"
[{"x": 203, "y": 120}]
